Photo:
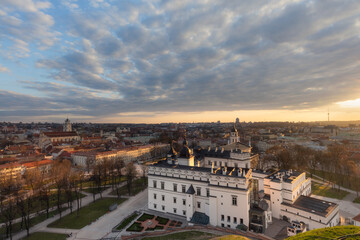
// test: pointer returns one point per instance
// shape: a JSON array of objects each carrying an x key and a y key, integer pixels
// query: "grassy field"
[
  {"x": 38, "y": 205},
  {"x": 92, "y": 190},
  {"x": 33, "y": 221},
  {"x": 45, "y": 236},
  {"x": 357, "y": 200},
  {"x": 329, "y": 233},
  {"x": 87, "y": 214},
  {"x": 107, "y": 182},
  {"x": 231, "y": 237},
  {"x": 191, "y": 235},
  {"x": 342, "y": 180},
  {"x": 327, "y": 191},
  {"x": 138, "y": 185}
]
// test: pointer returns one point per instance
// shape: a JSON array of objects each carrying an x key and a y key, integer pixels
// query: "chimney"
[{"x": 222, "y": 150}]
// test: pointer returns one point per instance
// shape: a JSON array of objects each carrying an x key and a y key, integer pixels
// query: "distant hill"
[{"x": 330, "y": 233}]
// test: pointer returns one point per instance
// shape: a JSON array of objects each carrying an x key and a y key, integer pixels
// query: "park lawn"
[
  {"x": 92, "y": 190},
  {"x": 328, "y": 233},
  {"x": 87, "y": 214},
  {"x": 336, "y": 178},
  {"x": 45, "y": 236},
  {"x": 107, "y": 182},
  {"x": 127, "y": 221},
  {"x": 231, "y": 237},
  {"x": 138, "y": 185},
  {"x": 37, "y": 206},
  {"x": 33, "y": 221},
  {"x": 327, "y": 191},
  {"x": 357, "y": 200},
  {"x": 190, "y": 235}
]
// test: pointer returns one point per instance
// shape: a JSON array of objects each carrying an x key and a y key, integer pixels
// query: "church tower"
[
  {"x": 67, "y": 126},
  {"x": 234, "y": 135}
]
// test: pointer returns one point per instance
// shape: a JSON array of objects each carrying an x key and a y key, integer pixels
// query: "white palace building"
[{"x": 223, "y": 190}]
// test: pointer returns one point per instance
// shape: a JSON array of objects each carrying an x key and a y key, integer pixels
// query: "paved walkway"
[
  {"x": 42, "y": 227},
  {"x": 103, "y": 226}
]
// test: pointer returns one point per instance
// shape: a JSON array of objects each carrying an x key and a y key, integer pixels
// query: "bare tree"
[
  {"x": 119, "y": 165},
  {"x": 60, "y": 171},
  {"x": 130, "y": 175}
]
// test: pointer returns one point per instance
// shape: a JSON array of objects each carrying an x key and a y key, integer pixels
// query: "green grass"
[
  {"x": 92, "y": 190},
  {"x": 38, "y": 206},
  {"x": 145, "y": 216},
  {"x": 107, "y": 182},
  {"x": 127, "y": 220},
  {"x": 357, "y": 200},
  {"x": 87, "y": 214},
  {"x": 135, "y": 227},
  {"x": 162, "y": 221},
  {"x": 340, "y": 179},
  {"x": 138, "y": 185},
  {"x": 33, "y": 221},
  {"x": 327, "y": 191},
  {"x": 190, "y": 235},
  {"x": 45, "y": 236},
  {"x": 328, "y": 233}
]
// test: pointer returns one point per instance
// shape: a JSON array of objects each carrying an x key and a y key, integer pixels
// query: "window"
[
  {"x": 162, "y": 185},
  {"x": 241, "y": 221},
  {"x": 154, "y": 184},
  {"x": 234, "y": 200},
  {"x": 174, "y": 210},
  {"x": 174, "y": 199},
  {"x": 183, "y": 188},
  {"x": 163, "y": 207},
  {"x": 184, "y": 202},
  {"x": 154, "y": 195},
  {"x": 222, "y": 217},
  {"x": 184, "y": 212},
  {"x": 228, "y": 226},
  {"x": 198, "y": 191},
  {"x": 208, "y": 192},
  {"x": 198, "y": 204},
  {"x": 175, "y": 187},
  {"x": 215, "y": 163},
  {"x": 154, "y": 205},
  {"x": 235, "y": 220},
  {"x": 222, "y": 225},
  {"x": 228, "y": 218},
  {"x": 236, "y": 165},
  {"x": 209, "y": 162},
  {"x": 163, "y": 197}
]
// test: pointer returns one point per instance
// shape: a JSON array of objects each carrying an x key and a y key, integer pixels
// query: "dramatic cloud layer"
[{"x": 103, "y": 58}]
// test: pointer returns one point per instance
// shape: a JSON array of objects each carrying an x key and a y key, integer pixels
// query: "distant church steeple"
[
  {"x": 234, "y": 135},
  {"x": 67, "y": 126}
]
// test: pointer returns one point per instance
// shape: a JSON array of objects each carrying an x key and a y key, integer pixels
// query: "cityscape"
[{"x": 169, "y": 119}]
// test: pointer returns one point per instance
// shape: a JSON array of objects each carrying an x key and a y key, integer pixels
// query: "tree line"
[
  {"x": 335, "y": 164},
  {"x": 35, "y": 192}
]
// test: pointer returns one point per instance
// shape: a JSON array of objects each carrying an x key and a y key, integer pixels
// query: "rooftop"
[
  {"x": 313, "y": 205},
  {"x": 286, "y": 175}
]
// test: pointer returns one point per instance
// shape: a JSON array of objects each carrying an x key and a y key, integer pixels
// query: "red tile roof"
[
  {"x": 357, "y": 218},
  {"x": 61, "y": 134}
]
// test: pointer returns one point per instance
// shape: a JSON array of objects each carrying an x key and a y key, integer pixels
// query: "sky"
[{"x": 179, "y": 61}]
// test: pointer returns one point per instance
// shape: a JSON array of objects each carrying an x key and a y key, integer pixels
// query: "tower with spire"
[
  {"x": 67, "y": 126},
  {"x": 234, "y": 135}
]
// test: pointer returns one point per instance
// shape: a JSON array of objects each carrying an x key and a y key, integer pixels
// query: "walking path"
[{"x": 42, "y": 227}]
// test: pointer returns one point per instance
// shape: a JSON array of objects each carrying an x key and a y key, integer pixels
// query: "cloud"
[
  {"x": 186, "y": 56},
  {"x": 4, "y": 69}
]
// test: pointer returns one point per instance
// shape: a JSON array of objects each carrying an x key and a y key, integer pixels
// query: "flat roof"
[{"x": 313, "y": 205}]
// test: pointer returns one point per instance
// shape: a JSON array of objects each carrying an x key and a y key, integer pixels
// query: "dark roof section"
[
  {"x": 191, "y": 190},
  {"x": 164, "y": 164},
  {"x": 287, "y": 175},
  {"x": 60, "y": 134},
  {"x": 200, "y": 218},
  {"x": 313, "y": 205}
]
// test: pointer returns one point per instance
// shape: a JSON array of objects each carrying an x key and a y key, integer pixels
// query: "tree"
[
  {"x": 130, "y": 175},
  {"x": 119, "y": 165},
  {"x": 60, "y": 173}
]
